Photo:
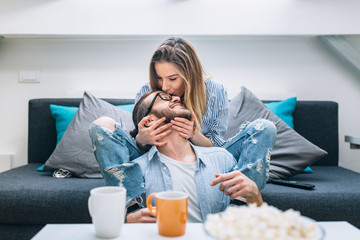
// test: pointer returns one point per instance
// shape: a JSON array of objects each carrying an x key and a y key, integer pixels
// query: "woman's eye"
[{"x": 172, "y": 79}]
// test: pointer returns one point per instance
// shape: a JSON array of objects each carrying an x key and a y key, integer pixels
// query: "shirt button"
[{"x": 164, "y": 168}]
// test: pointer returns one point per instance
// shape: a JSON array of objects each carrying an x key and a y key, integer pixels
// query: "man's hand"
[
  {"x": 235, "y": 184},
  {"x": 150, "y": 133},
  {"x": 141, "y": 216}
]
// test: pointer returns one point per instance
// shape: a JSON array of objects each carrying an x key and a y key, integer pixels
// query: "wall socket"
[{"x": 29, "y": 76}]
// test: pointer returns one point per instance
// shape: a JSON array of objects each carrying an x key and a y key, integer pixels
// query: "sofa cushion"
[
  {"x": 336, "y": 196},
  {"x": 74, "y": 151},
  {"x": 28, "y": 197},
  {"x": 291, "y": 154},
  {"x": 42, "y": 199},
  {"x": 64, "y": 114},
  {"x": 284, "y": 110}
]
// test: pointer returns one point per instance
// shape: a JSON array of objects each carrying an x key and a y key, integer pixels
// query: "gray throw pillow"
[
  {"x": 291, "y": 154},
  {"x": 74, "y": 151}
]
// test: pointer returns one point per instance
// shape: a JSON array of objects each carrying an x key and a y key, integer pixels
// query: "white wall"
[
  {"x": 115, "y": 39},
  {"x": 117, "y": 67},
  {"x": 199, "y": 17}
]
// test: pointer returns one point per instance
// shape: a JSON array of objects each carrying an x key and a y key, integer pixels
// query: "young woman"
[{"x": 176, "y": 69}]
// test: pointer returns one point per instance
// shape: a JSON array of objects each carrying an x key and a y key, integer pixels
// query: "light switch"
[{"x": 29, "y": 76}]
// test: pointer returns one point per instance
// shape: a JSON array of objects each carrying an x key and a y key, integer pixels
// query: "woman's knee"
[{"x": 106, "y": 122}]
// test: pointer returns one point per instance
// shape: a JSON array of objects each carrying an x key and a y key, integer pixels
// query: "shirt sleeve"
[
  {"x": 215, "y": 120},
  {"x": 144, "y": 89}
]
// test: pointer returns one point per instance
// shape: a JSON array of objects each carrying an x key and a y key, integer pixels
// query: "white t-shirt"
[{"x": 182, "y": 175}]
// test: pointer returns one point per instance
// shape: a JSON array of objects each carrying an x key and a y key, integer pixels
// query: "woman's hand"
[
  {"x": 184, "y": 127},
  {"x": 236, "y": 185},
  {"x": 141, "y": 216},
  {"x": 149, "y": 133}
]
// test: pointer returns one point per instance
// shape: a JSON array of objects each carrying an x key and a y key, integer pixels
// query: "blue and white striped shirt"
[{"x": 215, "y": 120}]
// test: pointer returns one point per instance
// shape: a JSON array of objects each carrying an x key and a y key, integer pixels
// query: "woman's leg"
[
  {"x": 114, "y": 149},
  {"x": 252, "y": 147}
]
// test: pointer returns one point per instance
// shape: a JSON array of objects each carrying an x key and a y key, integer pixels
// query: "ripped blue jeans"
[
  {"x": 114, "y": 151},
  {"x": 251, "y": 147}
]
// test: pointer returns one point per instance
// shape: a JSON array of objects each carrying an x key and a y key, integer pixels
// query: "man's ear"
[{"x": 150, "y": 121}]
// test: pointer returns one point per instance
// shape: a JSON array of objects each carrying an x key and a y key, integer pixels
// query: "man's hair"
[
  {"x": 140, "y": 108},
  {"x": 139, "y": 111},
  {"x": 181, "y": 53}
]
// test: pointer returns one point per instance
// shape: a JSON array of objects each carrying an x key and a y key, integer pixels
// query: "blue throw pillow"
[
  {"x": 63, "y": 115},
  {"x": 284, "y": 110},
  {"x": 307, "y": 170},
  {"x": 127, "y": 107}
]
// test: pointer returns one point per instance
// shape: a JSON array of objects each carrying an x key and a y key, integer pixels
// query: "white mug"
[{"x": 107, "y": 210}]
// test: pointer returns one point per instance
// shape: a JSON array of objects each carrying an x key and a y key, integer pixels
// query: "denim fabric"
[
  {"x": 251, "y": 147},
  {"x": 209, "y": 162},
  {"x": 249, "y": 152},
  {"x": 114, "y": 151}
]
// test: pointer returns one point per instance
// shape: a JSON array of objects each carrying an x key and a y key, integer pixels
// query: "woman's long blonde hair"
[{"x": 182, "y": 54}]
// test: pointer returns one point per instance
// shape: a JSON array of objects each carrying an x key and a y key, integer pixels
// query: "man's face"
[{"x": 168, "y": 106}]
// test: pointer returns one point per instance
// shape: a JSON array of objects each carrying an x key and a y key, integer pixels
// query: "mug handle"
[
  {"x": 149, "y": 206},
  {"x": 89, "y": 206}
]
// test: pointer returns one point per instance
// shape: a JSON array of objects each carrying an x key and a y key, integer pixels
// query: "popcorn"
[{"x": 265, "y": 223}]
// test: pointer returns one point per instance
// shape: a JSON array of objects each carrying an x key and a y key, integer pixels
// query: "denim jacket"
[{"x": 209, "y": 162}]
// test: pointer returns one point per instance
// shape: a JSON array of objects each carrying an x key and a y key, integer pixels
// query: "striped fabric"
[{"x": 215, "y": 120}]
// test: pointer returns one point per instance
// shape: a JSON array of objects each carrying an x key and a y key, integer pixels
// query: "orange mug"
[{"x": 171, "y": 212}]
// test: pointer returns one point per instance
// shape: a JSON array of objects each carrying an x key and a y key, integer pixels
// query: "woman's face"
[{"x": 169, "y": 79}]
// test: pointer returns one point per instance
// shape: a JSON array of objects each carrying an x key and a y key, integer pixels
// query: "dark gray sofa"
[{"x": 30, "y": 199}]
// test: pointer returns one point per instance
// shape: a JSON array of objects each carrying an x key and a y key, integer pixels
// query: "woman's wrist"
[
  {"x": 142, "y": 146},
  {"x": 200, "y": 140},
  {"x": 193, "y": 134}
]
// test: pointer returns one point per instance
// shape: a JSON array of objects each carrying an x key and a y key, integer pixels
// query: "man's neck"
[{"x": 178, "y": 148}]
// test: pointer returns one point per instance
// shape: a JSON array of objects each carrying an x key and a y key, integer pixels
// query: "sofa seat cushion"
[
  {"x": 28, "y": 197},
  {"x": 336, "y": 196}
]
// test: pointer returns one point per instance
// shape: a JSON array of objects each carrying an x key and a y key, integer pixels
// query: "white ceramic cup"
[{"x": 107, "y": 210}]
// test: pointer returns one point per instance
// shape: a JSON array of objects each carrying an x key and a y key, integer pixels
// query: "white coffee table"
[{"x": 334, "y": 231}]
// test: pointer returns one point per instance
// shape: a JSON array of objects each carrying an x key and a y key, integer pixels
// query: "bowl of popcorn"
[{"x": 265, "y": 223}]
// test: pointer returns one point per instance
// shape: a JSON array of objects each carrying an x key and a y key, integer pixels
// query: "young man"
[{"x": 210, "y": 176}]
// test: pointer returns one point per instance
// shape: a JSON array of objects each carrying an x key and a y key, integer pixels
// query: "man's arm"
[{"x": 238, "y": 186}]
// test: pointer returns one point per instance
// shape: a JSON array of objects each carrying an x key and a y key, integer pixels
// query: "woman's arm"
[
  {"x": 186, "y": 129},
  {"x": 200, "y": 140},
  {"x": 214, "y": 122}
]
